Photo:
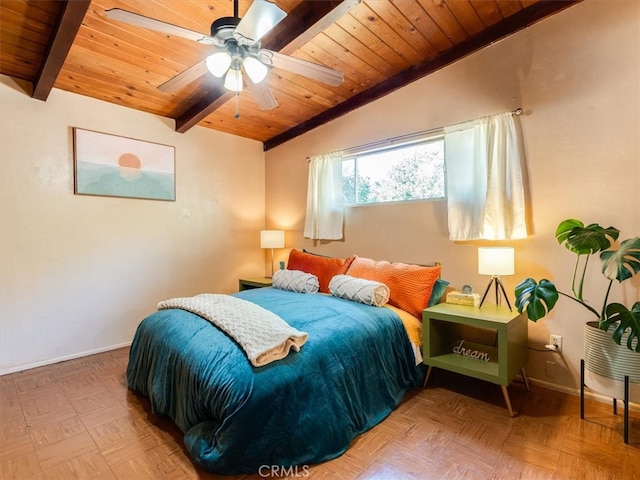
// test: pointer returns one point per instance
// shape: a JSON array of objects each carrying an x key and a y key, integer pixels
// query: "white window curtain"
[
  {"x": 485, "y": 190},
  {"x": 325, "y": 214}
]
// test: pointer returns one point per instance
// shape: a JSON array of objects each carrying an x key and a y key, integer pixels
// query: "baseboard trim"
[
  {"x": 576, "y": 392},
  {"x": 63, "y": 359},
  {"x": 534, "y": 381}
]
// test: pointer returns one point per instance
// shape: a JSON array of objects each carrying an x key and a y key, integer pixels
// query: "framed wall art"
[{"x": 114, "y": 166}]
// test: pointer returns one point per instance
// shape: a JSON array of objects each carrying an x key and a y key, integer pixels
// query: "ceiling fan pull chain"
[{"x": 237, "y": 115}]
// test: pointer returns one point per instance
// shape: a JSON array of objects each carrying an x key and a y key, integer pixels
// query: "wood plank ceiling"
[{"x": 379, "y": 45}]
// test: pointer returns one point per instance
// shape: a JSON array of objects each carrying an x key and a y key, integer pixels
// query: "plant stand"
[{"x": 615, "y": 401}]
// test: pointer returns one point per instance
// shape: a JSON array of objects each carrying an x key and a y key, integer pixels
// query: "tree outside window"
[{"x": 398, "y": 174}]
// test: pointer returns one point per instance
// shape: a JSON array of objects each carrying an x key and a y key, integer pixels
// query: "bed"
[{"x": 354, "y": 369}]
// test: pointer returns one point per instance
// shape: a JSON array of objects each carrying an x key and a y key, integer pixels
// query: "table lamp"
[
  {"x": 496, "y": 261},
  {"x": 272, "y": 239}
]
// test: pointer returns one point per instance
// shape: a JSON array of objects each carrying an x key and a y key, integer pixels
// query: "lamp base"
[
  {"x": 271, "y": 276},
  {"x": 500, "y": 286}
]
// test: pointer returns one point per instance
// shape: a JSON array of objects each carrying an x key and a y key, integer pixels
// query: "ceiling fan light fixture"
[
  {"x": 218, "y": 63},
  {"x": 256, "y": 70},
  {"x": 233, "y": 80}
]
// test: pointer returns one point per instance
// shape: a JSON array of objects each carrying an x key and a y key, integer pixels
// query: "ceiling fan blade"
[
  {"x": 261, "y": 93},
  {"x": 157, "y": 25},
  {"x": 259, "y": 19},
  {"x": 301, "y": 67},
  {"x": 184, "y": 78}
]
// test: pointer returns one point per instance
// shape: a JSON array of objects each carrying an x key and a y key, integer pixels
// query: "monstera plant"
[{"x": 618, "y": 264}]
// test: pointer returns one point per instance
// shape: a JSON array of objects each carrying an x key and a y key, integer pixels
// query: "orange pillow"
[
  {"x": 322, "y": 267},
  {"x": 410, "y": 285}
]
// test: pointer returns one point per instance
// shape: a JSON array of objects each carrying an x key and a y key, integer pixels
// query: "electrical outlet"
[
  {"x": 550, "y": 369},
  {"x": 557, "y": 341}
]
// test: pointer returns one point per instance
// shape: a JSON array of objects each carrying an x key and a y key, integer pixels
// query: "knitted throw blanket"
[{"x": 263, "y": 335}]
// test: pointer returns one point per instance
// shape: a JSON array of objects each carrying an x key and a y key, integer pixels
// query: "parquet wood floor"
[{"x": 78, "y": 420}]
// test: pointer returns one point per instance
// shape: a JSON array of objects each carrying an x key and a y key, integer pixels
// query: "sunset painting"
[{"x": 115, "y": 166}]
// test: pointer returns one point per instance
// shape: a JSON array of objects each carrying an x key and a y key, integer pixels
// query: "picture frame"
[{"x": 115, "y": 166}]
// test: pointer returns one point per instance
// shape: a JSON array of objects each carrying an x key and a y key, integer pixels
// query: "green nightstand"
[
  {"x": 444, "y": 345},
  {"x": 258, "y": 282}
]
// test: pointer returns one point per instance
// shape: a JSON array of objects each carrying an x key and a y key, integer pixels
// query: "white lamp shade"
[
  {"x": 272, "y": 239},
  {"x": 233, "y": 80},
  {"x": 218, "y": 63},
  {"x": 496, "y": 261},
  {"x": 256, "y": 70}
]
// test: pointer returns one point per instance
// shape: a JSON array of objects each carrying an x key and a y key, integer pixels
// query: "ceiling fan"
[{"x": 237, "y": 55}]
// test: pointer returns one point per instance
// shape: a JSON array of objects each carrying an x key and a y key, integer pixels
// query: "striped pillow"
[{"x": 410, "y": 285}]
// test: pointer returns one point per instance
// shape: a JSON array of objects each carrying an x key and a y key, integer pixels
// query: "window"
[{"x": 413, "y": 171}]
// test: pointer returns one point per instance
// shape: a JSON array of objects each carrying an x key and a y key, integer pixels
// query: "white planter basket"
[{"x": 607, "y": 363}]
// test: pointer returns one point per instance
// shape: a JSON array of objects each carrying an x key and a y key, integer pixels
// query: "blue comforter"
[{"x": 353, "y": 371}]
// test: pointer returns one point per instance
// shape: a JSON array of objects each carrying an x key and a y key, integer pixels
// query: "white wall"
[
  {"x": 78, "y": 273},
  {"x": 577, "y": 76}
]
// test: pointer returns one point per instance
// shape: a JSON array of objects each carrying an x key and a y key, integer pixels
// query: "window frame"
[{"x": 388, "y": 145}]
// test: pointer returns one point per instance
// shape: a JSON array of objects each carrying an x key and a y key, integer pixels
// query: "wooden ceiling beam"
[
  {"x": 298, "y": 27},
  {"x": 509, "y": 25},
  {"x": 64, "y": 32},
  {"x": 308, "y": 20}
]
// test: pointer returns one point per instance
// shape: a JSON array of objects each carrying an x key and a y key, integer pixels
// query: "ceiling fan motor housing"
[{"x": 222, "y": 29}]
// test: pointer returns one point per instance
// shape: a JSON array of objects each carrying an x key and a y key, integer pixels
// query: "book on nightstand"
[{"x": 459, "y": 298}]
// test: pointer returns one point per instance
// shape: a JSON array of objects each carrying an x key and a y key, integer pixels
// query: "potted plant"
[
  {"x": 619, "y": 264},
  {"x": 604, "y": 357}
]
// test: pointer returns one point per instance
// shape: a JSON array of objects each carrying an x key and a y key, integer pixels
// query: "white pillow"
[
  {"x": 359, "y": 290},
  {"x": 295, "y": 281}
]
